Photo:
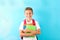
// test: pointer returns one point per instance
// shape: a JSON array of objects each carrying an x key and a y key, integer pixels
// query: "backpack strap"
[
  {"x": 24, "y": 22},
  {"x": 33, "y": 22}
]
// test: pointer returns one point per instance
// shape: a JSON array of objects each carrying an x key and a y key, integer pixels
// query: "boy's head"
[{"x": 28, "y": 13}]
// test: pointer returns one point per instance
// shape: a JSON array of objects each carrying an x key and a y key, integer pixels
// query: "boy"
[{"x": 29, "y": 33}]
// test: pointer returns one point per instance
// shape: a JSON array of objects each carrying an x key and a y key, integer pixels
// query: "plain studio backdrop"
[{"x": 46, "y": 12}]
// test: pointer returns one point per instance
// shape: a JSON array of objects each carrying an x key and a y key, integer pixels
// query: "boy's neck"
[{"x": 28, "y": 20}]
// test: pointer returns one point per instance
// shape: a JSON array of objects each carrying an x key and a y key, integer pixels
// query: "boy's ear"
[{"x": 32, "y": 13}]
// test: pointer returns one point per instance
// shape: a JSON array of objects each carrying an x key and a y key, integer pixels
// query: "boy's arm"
[
  {"x": 36, "y": 32},
  {"x": 33, "y": 32},
  {"x": 22, "y": 34}
]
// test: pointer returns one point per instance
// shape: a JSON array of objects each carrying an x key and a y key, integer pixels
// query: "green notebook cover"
[{"x": 31, "y": 27}]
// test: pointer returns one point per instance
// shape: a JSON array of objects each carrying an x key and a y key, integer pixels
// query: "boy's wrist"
[{"x": 34, "y": 32}]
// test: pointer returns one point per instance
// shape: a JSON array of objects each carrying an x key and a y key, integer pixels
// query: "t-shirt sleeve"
[
  {"x": 21, "y": 26},
  {"x": 37, "y": 25}
]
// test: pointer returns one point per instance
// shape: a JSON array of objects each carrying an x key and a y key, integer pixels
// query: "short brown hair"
[{"x": 29, "y": 8}]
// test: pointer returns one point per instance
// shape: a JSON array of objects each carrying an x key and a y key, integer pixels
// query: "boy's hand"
[
  {"x": 35, "y": 32},
  {"x": 27, "y": 30}
]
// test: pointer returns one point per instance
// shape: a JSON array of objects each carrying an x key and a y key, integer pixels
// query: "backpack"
[{"x": 33, "y": 23}]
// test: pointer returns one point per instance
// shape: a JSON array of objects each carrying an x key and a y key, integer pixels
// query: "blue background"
[{"x": 46, "y": 12}]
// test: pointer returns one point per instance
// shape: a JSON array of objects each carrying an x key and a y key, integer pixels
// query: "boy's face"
[{"x": 28, "y": 14}]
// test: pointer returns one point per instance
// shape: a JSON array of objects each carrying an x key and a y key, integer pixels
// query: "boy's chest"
[{"x": 30, "y": 22}]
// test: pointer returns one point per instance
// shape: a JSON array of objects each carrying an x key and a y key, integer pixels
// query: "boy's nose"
[{"x": 28, "y": 14}]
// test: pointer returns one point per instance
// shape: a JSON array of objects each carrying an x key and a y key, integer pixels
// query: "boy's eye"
[{"x": 27, "y": 13}]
